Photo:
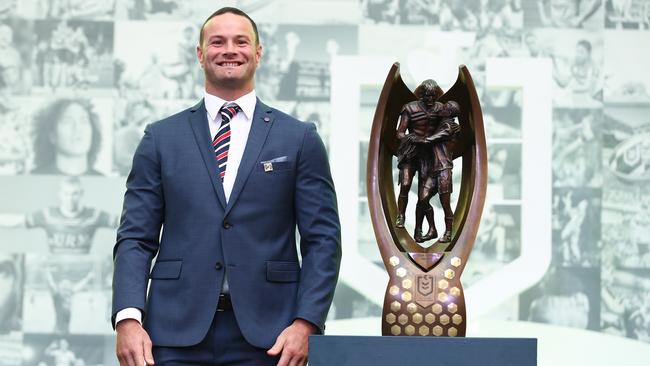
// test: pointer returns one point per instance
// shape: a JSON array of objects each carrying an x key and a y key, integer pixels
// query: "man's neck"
[{"x": 227, "y": 94}]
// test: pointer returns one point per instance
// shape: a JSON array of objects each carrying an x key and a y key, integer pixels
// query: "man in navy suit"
[{"x": 228, "y": 181}]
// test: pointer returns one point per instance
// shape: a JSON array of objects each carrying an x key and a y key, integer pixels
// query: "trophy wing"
[{"x": 464, "y": 92}]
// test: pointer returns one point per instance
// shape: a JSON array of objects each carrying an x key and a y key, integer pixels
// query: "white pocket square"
[{"x": 279, "y": 159}]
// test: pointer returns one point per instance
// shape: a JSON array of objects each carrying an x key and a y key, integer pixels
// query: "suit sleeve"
[
  {"x": 320, "y": 231},
  {"x": 139, "y": 231}
]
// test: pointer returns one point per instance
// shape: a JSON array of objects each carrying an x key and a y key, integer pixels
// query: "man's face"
[
  {"x": 188, "y": 34},
  {"x": 582, "y": 54},
  {"x": 229, "y": 55},
  {"x": 73, "y": 133},
  {"x": 70, "y": 195},
  {"x": 429, "y": 97}
]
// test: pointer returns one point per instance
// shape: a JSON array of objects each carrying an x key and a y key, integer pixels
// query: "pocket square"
[{"x": 279, "y": 159}]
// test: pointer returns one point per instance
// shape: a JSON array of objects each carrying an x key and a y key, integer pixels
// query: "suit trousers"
[{"x": 223, "y": 345}]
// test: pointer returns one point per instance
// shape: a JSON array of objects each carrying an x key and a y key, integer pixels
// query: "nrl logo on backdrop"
[{"x": 631, "y": 159}]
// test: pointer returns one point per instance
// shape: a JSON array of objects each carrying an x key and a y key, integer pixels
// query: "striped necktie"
[{"x": 221, "y": 141}]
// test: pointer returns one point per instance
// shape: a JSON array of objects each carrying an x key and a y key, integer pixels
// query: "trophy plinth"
[{"x": 390, "y": 351}]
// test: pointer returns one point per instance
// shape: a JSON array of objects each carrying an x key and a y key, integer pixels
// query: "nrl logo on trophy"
[
  {"x": 424, "y": 291},
  {"x": 423, "y": 133}
]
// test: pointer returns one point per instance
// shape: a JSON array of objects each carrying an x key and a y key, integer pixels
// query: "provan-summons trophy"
[{"x": 419, "y": 130}]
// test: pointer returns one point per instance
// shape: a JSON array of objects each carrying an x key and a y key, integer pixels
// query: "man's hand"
[
  {"x": 293, "y": 343},
  {"x": 133, "y": 344},
  {"x": 435, "y": 137}
]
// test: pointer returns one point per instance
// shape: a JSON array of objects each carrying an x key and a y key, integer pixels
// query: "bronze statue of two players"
[{"x": 426, "y": 149}]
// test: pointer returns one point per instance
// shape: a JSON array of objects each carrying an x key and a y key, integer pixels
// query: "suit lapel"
[
  {"x": 201, "y": 129},
  {"x": 260, "y": 126}
]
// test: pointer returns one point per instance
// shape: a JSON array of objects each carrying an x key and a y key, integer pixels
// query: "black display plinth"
[{"x": 430, "y": 351}]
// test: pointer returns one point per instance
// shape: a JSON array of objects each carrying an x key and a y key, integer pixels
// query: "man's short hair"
[
  {"x": 231, "y": 10},
  {"x": 430, "y": 87}
]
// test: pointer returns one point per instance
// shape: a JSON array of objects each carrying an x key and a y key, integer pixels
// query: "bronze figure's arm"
[
  {"x": 447, "y": 128},
  {"x": 403, "y": 125}
]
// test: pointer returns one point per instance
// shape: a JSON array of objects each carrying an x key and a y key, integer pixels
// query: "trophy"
[{"x": 424, "y": 295}]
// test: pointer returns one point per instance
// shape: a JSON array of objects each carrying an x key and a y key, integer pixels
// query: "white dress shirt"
[{"x": 240, "y": 126}]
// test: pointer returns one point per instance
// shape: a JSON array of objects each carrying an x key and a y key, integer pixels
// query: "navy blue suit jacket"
[{"x": 174, "y": 184}]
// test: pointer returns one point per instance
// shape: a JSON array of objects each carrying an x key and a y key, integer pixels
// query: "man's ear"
[
  {"x": 258, "y": 53},
  {"x": 199, "y": 54}
]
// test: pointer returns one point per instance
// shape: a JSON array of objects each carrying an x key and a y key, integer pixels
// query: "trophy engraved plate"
[{"x": 418, "y": 130}]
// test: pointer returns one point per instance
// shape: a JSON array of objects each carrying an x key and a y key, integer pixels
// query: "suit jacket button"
[
  {"x": 218, "y": 266},
  {"x": 226, "y": 225}
]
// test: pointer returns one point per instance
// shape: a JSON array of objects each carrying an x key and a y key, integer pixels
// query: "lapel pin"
[{"x": 268, "y": 167}]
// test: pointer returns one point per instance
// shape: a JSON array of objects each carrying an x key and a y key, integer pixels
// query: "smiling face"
[{"x": 229, "y": 56}]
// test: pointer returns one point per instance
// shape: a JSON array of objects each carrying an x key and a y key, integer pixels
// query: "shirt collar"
[{"x": 246, "y": 102}]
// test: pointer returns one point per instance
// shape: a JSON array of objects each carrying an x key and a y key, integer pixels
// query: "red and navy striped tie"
[{"x": 221, "y": 141}]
